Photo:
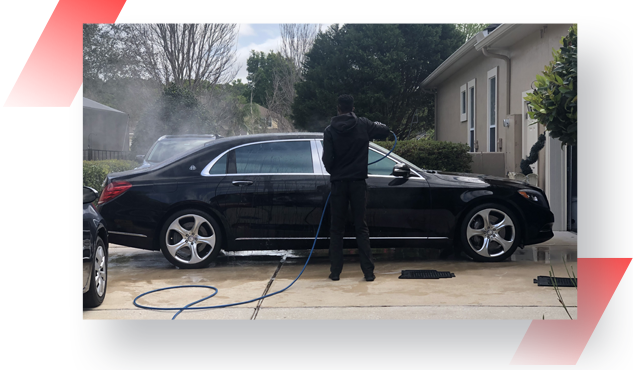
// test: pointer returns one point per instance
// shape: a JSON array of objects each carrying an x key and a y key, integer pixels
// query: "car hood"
[{"x": 473, "y": 179}]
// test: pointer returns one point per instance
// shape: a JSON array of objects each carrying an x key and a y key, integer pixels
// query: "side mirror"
[
  {"x": 90, "y": 195},
  {"x": 401, "y": 170},
  {"x": 139, "y": 158}
]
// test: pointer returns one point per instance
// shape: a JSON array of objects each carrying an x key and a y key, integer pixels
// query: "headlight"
[{"x": 534, "y": 196}]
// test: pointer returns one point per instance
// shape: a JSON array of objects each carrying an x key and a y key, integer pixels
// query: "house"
[
  {"x": 479, "y": 93},
  {"x": 261, "y": 120},
  {"x": 106, "y": 131},
  {"x": 273, "y": 122}
]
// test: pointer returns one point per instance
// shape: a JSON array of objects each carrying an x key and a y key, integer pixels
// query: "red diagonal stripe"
[{"x": 561, "y": 342}]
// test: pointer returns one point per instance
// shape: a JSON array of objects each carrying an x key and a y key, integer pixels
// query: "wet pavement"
[{"x": 503, "y": 290}]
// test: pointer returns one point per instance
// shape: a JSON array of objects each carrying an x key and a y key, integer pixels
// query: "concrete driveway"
[{"x": 503, "y": 290}]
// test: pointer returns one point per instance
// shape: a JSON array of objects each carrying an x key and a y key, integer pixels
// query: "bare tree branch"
[{"x": 186, "y": 54}]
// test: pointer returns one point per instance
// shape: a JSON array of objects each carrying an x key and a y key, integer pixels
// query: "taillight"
[{"x": 113, "y": 190}]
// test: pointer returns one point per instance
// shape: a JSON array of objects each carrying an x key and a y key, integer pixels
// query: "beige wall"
[
  {"x": 528, "y": 57},
  {"x": 449, "y": 127}
]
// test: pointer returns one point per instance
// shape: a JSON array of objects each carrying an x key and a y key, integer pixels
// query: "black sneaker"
[
  {"x": 334, "y": 276},
  {"x": 371, "y": 277}
]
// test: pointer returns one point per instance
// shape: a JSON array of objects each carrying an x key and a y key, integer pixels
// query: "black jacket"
[{"x": 346, "y": 144}]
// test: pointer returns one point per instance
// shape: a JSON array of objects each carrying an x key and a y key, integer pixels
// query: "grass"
[{"x": 572, "y": 276}]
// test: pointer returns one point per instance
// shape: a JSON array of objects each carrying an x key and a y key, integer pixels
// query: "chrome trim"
[
  {"x": 269, "y": 174},
  {"x": 316, "y": 160},
  {"x": 353, "y": 237},
  {"x": 319, "y": 146},
  {"x": 128, "y": 234},
  {"x": 396, "y": 177},
  {"x": 207, "y": 168}
]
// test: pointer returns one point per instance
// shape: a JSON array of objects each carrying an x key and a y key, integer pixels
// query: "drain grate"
[
  {"x": 425, "y": 274},
  {"x": 561, "y": 282}
]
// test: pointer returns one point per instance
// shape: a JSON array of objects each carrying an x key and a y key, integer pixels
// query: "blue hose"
[{"x": 188, "y": 307}]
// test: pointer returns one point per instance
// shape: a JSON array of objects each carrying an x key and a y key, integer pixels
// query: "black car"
[
  {"x": 268, "y": 192},
  {"x": 95, "y": 252},
  {"x": 168, "y": 146}
]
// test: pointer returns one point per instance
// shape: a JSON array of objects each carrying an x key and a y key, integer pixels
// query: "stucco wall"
[
  {"x": 449, "y": 127},
  {"x": 528, "y": 57}
]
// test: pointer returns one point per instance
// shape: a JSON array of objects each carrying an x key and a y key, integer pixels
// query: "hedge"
[
  {"x": 433, "y": 155},
  {"x": 96, "y": 171}
]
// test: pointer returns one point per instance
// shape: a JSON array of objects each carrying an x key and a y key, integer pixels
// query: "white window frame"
[
  {"x": 471, "y": 95},
  {"x": 492, "y": 103},
  {"x": 463, "y": 106}
]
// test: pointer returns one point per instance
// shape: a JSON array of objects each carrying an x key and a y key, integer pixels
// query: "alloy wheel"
[
  {"x": 100, "y": 271},
  {"x": 190, "y": 239},
  {"x": 490, "y": 232}
]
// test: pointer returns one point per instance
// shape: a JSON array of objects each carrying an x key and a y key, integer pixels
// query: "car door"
[
  {"x": 397, "y": 208},
  {"x": 273, "y": 191}
]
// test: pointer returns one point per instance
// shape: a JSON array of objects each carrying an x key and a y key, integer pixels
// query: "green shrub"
[
  {"x": 96, "y": 171},
  {"x": 433, "y": 155},
  {"x": 555, "y": 99}
]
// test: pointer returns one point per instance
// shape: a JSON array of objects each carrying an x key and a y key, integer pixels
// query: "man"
[{"x": 345, "y": 152}]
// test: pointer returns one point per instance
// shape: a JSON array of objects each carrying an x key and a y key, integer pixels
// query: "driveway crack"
[{"x": 270, "y": 283}]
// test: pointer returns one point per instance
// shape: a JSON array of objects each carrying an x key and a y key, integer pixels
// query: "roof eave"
[
  {"x": 470, "y": 47},
  {"x": 463, "y": 50}
]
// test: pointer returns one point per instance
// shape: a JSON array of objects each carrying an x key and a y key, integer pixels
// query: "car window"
[
  {"x": 168, "y": 148},
  {"x": 384, "y": 167},
  {"x": 396, "y": 157},
  {"x": 277, "y": 157},
  {"x": 219, "y": 168}
]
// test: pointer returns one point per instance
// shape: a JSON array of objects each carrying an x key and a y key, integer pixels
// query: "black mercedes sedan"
[
  {"x": 268, "y": 192},
  {"x": 95, "y": 252}
]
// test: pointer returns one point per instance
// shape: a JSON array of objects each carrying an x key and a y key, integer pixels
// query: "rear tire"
[
  {"x": 190, "y": 239},
  {"x": 490, "y": 233},
  {"x": 98, "y": 276}
]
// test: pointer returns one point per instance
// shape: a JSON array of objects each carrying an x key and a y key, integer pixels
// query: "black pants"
[{"x": 353, "y": 193}]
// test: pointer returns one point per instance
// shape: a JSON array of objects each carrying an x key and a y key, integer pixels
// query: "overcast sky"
[{"x": 260, "y": 37}]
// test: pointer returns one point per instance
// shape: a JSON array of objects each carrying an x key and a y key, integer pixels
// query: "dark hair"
[{"x": 345, "y": 103}]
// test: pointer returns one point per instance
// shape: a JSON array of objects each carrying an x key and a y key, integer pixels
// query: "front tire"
[
  {"x": 98, "y": 276},
  {"x": 490, "y": 233},
  {"x": 190, "y": 239}
]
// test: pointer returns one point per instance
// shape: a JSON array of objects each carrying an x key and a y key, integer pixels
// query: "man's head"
[{"x": 345, "y": 104}]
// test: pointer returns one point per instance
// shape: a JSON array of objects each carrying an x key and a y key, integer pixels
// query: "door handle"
[{"x": 242, "y": 183}]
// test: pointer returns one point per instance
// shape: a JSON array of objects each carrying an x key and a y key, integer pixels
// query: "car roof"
[{"x": 243, "y": 139}]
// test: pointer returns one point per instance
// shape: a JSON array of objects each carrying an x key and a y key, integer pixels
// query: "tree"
[
  {"x": 229, "y": 111},
  {"x": 555, "y": 100},
  {"x": 296, "y": 40},
  {"x": 261, "y": 69},
  {"x": 176, "y": 112},
  {"x": 110, "y": 76},
  {"x": 470, "y": 29},
  {"x": 185, "y": 54},
  {"x": 381, "y": 65},
  {"x": 104, "y": 53}
]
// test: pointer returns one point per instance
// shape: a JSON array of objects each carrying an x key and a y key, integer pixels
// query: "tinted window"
[
  {"x": 219, "y": 168},
  {"x": 384, "y": 167},
  {"x": 279, "y": 157}
]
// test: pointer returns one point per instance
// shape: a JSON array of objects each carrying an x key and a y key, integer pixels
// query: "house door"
[{"x": 530, "y": 131}]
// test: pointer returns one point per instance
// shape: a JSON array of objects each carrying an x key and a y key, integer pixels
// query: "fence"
[{"x": 100, "y": 155}]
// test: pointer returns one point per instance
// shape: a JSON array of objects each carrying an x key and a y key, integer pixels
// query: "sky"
[{"x": 259, "y": 37}]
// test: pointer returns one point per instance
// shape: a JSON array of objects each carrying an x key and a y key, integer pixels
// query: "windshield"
[
  {"x": 395, "y": 156},
  {"x": 165, "y": 149}
]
